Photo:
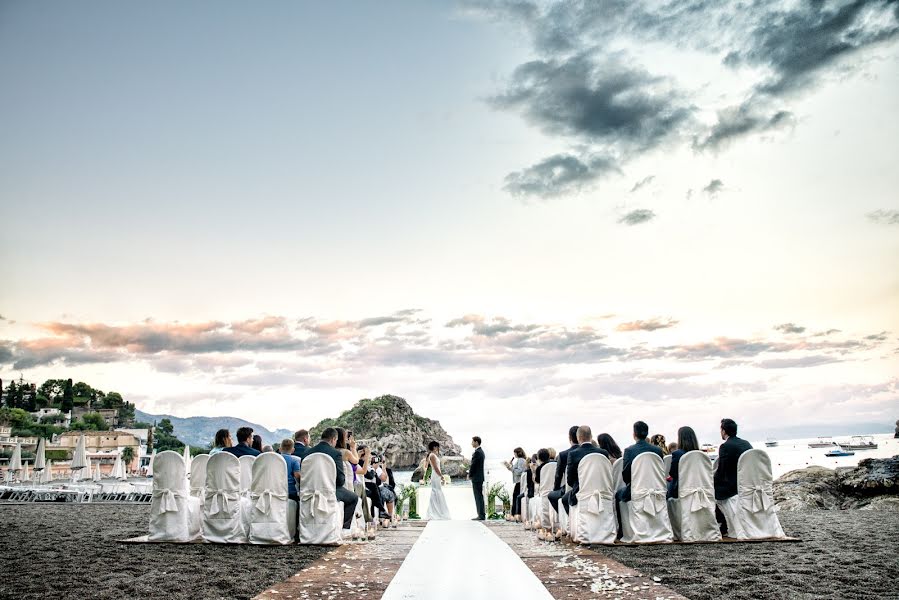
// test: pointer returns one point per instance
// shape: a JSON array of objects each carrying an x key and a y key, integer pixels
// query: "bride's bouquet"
[{"x": 446, "y": 480}]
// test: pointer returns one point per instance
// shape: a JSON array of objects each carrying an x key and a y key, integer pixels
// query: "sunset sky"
[{"x": 517, "y": 215}]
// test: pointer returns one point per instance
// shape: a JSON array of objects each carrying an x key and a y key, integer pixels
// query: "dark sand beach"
[
  {"x": 843, "y": 555},
  {"x": 69, "y": 551}
]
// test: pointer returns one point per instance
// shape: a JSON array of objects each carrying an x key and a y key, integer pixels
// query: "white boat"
[
  {"x": 770, "y": 442},
  {"x": 859, "y": 442},
  {"x": 823, "y": 442}
]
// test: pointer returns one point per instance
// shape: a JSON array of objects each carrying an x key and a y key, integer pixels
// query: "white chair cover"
[
  {"x": 693, "y": 511},
  {"x": 645, "y": 518},
  {"x": 222, "y": 506},
  {"x": 359, "y": 514},
  {"x": 246, "y": 473},
  {"x": 666, "y": 464},
  {"x": 548, "y": 517},
  {"x": 751, "y": 514},
  {"x": 593, "y": 517},
  {"x": 318, "y": 501},
  {"x": 523, "y": 489},
  {"x": 271, "y": 519},
  {"x": 172, "y": 509},
  {"x": 617, "y": 477},
  {"x": 198, "y": 475}
]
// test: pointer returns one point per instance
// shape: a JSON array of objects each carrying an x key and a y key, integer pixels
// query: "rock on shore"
[
  {"x": 874, "y": 483},
  {"x": 390, "y": 426}
]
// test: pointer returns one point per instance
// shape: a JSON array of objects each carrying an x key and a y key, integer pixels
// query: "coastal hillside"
[
  {"x": 390, "y": 425},
  {"x": 200, "y": 431}
]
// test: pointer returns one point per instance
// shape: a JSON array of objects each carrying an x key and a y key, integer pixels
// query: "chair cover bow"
[
  {"x": 650, "y": 501},
  {"x": 755, "y": 498},
  {"x": 167, "y": 502},
  {"x": 593, "y": 501},
  {"x": 319, "y": 502},
  {"x": 220, "y": 502},
  {"x": 697, "y": 498},
  {"x": 263, "y": 500}
]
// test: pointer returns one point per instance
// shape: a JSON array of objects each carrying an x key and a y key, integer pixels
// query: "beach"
[{"x": 49, "y": 549}]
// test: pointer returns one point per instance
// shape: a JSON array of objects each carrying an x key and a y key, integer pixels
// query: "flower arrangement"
[
  {"x": 447, "y": 480},
  {"x": 497, "y": 491},
  {"x": 408, "y": 493}
]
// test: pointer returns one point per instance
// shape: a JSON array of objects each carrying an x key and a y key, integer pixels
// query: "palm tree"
[{"x": 127, "y": 455}]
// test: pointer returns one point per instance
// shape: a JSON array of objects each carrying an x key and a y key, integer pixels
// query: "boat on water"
[
  {"x": 770, "y": 442},
  {"x": 859, "y": 442},
  {"x": 823, "y": 442},
  {"x": 839, "y": 452}
]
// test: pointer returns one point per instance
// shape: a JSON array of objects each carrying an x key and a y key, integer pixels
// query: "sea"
[{"x": 787, "y": 455}]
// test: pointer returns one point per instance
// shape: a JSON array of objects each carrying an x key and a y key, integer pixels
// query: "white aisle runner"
[{"x": 463, "y": 559}]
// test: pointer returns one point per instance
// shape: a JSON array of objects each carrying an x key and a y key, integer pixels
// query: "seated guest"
[
  {"x": 372, "y": 484},
  {"x": 257, "y": 443},
  {"x": 726, "y": 473},
  {"x": 222, "y": 441},
  {"x": 607, "y": 443},
  {"x": 552, "y": 453},
  {"x": 641, "y": 430},
  {"x": 672, "y": 447},
  {"x": 658, "y": 440},
  {"x": 243, "y": 448},
  {"x": 293, "y": 469},
  {"x": 686, "y": 441},
  {"x": 267, "y": 448},
  {"x": 561, "y": 462},
  {"x": 575, "y": 455},
  {"x": 349, "y": 499},
  {"x": 528, "y": 492},
  {"x": 300, "y": 443},
  {"x": 543, "y": 457},
  {"x": 388, "y": 485}
]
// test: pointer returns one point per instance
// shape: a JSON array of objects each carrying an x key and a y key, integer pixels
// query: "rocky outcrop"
[
  {"x": 454, "y": 466},
  {"x": 390, "y": 426},
  {"x": 873, "y": 484}
]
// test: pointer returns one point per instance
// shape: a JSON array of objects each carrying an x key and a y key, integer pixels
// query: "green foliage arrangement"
[
  {"x": 494, "y": 492},
  {"x": 408, "y": 493}
]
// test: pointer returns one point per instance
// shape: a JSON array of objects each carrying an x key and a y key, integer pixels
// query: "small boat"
[
  {"x": 770, "y": 442},
  {"x": 823, "y": 442},
  {"x": 860, "y": 442},
  {"x": 838, "y": 452}
]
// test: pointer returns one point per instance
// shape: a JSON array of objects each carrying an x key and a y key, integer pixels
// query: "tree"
[
  {"x": 165, "y": 437},
  {"x": 52, "y": 390},
  {"x": 82, "y": 390},
  {"x": 29, "y": 400},
  {"x": 95, "y": 422},
  {"x": 68, "y": 397},
  {"x": 11, "y": 395},
  {"x": 126, "y": 414},
  {"x": 127, "y": 455},
  {"x": 113, "y": 400}
]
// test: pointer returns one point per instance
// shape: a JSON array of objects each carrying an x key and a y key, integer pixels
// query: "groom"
[{"x": 476, "y": 474}]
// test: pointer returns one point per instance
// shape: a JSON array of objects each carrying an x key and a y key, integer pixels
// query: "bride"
[{"x": 437, "y": 508}]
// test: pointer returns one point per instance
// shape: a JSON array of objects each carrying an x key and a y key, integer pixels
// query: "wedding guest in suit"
[
  {"x": 257, "y": 443},
  {"x": 726, "y": 473},
  {"x": 607, "y": 443},
  {"x": 243, "y": 448},
  {"x": 658, "y": 440},
  {"x": 575, "y": 455},
  {"x": 222, "y": 441},
  {"x": 561, "y": 463},
  {"x": 476, "y": 475},
  {"x": 293, "y": 477},
  {"x": 686, "y": 441},
  {"x": 641, "y": 430},
  {"x": 300, "y": 443},
  {"x": 349, "y": 499}
]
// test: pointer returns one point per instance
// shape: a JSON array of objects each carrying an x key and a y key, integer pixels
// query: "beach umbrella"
[
  {"x": 118, "y": 469},
  {"x": 79, "y": 459},
  {"x": 15, "y": 463},
  {"x": 187, "y": 460},
  {"x": 150, "y": 466},
  {"x": 45, "y": 476},
  {"x": 88, "y": 475},
  {"x": 96, "y": 474},
  {"x": 40, "y": 459},
  {"x": 26, "y": 475}
]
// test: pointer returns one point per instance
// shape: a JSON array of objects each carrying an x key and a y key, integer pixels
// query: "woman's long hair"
[
  {"x": 341, "y": 438},
  {"x": 658, "y": 440},
  {"x": 220, "y": 436},
  {"x": 607, "y": 443},
  {"x": 519, "y": 452},
  {"x": 686, "y": 439},
  {"x": 257, "y": 442}
]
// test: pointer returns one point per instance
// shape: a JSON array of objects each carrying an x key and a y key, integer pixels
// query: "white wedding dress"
[{"x": 437, "y": 508}]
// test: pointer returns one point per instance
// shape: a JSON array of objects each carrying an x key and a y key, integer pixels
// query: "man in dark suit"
[
  {"x": 562, "y": 462},
  {"x": 726, "y": 472},
  {"x": 476, "y": 474},
  {"x": 300, "y": 443},
  {"x": 575, "y": 455},
  {"x": 641, "y": 430},
  {"x": 243, "y": 448},
  {"x": 349, "y": 499}
]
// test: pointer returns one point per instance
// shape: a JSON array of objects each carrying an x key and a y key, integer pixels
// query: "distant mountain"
[{"x": 200, "y": 431}]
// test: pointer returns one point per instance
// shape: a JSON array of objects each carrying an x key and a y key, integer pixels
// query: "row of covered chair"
[
  {"x": 649, "y": 517},
  {"x": 214, "y": 506}
]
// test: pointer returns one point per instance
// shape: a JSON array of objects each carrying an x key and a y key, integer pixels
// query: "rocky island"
[
  {"x": 390, "y": 426},
  {"x": 873, "y": 484}
]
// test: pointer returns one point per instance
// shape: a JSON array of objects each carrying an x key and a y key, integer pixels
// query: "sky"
[{"x": 517, "y": 215}]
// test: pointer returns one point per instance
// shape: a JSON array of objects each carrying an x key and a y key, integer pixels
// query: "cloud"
[
  {"x": 739, "y": 121},
  {"x": 713, "y": 188},
  {"x": 789, "y": 328},
  {"x": 642, "y": 183},
  {"x": 648, "y": 325},
  {"x": 558, "y": 175},
  {"x": 638, "y": 216},
  {"x": 884, "y": 217},
  {"x": 797, "y": 363}
]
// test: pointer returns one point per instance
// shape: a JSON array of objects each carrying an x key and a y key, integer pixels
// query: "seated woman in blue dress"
[{"x": 686, "y": 441}]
